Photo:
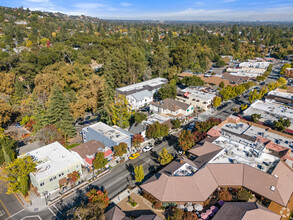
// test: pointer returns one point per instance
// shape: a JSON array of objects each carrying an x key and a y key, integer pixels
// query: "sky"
[{"x": 200, "y": 10}]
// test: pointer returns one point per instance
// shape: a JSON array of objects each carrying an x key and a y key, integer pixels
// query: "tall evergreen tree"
[{"x": 58, "y": 113}]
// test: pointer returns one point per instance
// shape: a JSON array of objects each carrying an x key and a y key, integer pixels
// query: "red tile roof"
[
  {"x": 89, "y": 161},
  {"x": 108, "y": 153}
]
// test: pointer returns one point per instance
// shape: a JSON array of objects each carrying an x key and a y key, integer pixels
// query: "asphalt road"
[{"x": 114, "y": 182}]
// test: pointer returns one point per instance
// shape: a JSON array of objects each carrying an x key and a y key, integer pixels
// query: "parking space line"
[
  {"x": 53, "y": 213},
  {"x": 5, "y": 208},
  {"x": 57, "y": 209}
]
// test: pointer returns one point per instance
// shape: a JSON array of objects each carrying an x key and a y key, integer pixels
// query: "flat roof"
[
  {"x": 110, "y": 132},
  {"x": 155, "y": 117},
  {"x": 199, "y": 94},
  {"x": 152, "y": 82},
  {"x": 51, "y": 160},
  {"x": 281, "y": 94}
]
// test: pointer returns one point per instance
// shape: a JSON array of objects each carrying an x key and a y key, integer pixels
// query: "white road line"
[
  {"x": 53, "y": 213},
  {"x": 15, "y": 214},
  {"x": 57, "y": 209},
  {"x": 32, "y": 216}
]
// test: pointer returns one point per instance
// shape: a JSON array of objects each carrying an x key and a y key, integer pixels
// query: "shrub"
[
  {"x": 157, "y": 205},
  {"x": 243, "y": 195},
  {"x": 225, "y": 195},
  {"x": 131, "y": 201}
]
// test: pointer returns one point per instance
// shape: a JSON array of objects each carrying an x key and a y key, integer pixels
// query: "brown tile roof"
[
  {"x": 88, "y": 148},
  {"x": 245, "y": 211},
  {"x": 207, "y": 147},
  {"x": 198, "y": 187},
  {"x": 171, "y": 104},
  {"x": 115, "y": 213}
]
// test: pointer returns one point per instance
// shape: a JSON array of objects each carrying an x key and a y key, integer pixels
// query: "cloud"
[
  {"x": 91, "y": 7},
  {"x": 228, "y": 1},
  {"x": 125, "y": 4}
]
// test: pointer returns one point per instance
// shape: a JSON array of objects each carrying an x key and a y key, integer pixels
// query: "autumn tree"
[
  {"x": 119, "y": 111},
  {"x": 6, "y": 111},
  {"x": 100, "y": 161},
  {"x": 137, "y": 140},
  {"x": 16, "y": 174},
  {"x": 186, "y": 140},
  {"x": 89, "y": 211},
  {"x": 217, "y": 101},
  {"x": 50, "y": 134},
  {"x": 165, "y": 157},
  {"x": 98, "y": 196},
  {"x": 139, "y": 173},
  {"x": 120, "y": 149}
]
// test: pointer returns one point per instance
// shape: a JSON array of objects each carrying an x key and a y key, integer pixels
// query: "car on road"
[
  {"x": 157, "y": 142},
  {"x": 134, "y": 156},
  {"x": 147, "y": 148}
]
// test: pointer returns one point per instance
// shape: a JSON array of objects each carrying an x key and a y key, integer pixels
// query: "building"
[
  {"x": 172, "y": 108},
  {"x": 54, "y": 163},
  {"x": 269, "y": 111},
  {"x": 196, "y": 98},
  {"x": 253, "y": 65},
  {"x": 109, "y": 136},
  {"x": 141, "y": 94},
  {"x": 245, "y": 211},
  {"x": 86, "y": 152}
]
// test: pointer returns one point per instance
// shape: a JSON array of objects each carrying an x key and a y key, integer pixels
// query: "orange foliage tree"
[{"x": 98, "y": 196}]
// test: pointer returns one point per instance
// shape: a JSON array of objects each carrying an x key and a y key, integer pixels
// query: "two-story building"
[
  {"x": 141, "y": 94},
  {"x": 54, "y": 163},
  {"x": 109, "y": 136},
  {"x": 196, "y": 98},
  {"x": 172, "y": 108}
]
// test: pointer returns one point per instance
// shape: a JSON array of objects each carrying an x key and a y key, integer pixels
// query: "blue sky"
[{"x": 226, "y": 10}]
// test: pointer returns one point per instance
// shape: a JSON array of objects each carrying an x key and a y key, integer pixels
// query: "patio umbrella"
[
  {"x": 180, "y": 206},
  {"x": 189, "y": 208},
  {"x": 198, "y": 207},
  {"x": 209, "y": 212},
  {"x": 204, "y": 216},
  {"x": 221, "y": 202}
]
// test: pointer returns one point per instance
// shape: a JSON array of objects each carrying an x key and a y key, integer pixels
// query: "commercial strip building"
[
  {"x": 197, "y": 97},
  {"x": 237, "y": 153},
  {"x": 269, "y": 111},
  {"x": 249, "y": 69},
  {"x": 281, "y": 96},
  {"x": 54, "y": 163},
  {"x": 172, "y": 108},
  {"x": 141, "y": 94},
  {"x": 109, "y": 136}
]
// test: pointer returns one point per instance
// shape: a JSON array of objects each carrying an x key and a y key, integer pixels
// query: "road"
[{"x": 114, "y": 182}]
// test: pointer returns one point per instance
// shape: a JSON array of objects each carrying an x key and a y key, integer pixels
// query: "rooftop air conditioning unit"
[{"x": 273, "y": 188}]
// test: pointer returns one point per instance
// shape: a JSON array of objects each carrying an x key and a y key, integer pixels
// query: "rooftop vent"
[
  {"x": 275, "y": 175},
  {"x": 273, "y": 188}
]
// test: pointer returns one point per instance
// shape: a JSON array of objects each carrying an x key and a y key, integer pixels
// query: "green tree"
[
  {"x": 120, "y": 149},
  {"x": 165, "y": 157},
  {"x": 8, "y": 149},
  {"x": 255, "y": 117},
  {"x": 217, "y": 101},
  {"x": 16, "y": 174},
  {"x": 192, "y": 81},
  {"x": 281, "y": 124},
  {"x": 186, "y": 140},
  {"x": 100, "y": 161},
  {"x": 58, "y": 113},
  {"x": 139, "y": 117},
  {"x": 167, "y": 91},
  {"x": 221, "y": 62},
  {"x": 139, "y": 173},
  {"x": 157, "y": 130},
  {"x": 221, "y": 84},
  {"x": 176, "y": 123}
]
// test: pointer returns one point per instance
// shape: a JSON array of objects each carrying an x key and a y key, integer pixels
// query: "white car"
[{"x": 147, "y": 148}]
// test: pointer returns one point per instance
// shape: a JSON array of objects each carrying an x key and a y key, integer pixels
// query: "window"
[
  {"x": 41, "y": 184},
  {"x": 51, "y": 179},
  {"x": 54, "y": 177}
]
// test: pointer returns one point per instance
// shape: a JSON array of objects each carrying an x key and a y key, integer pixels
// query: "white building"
[
  {"x": 54, "y": 163},
  {"x": 172, "y": 108},
  {"x": 141, "y": 94},
  {"x": 196, "y": 98}
]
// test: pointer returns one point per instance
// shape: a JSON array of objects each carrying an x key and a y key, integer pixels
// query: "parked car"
[
  {"x": 134, "y": 156},
  {"x": 147, "y": 148},
  {"x": 158, "y": 142}
]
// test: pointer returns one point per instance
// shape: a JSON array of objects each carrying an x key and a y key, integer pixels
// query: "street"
[{"x": 114, "y": 182}]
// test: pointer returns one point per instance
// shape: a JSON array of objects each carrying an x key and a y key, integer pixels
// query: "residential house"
[
  {"x": 141, "y": 94},
  {"x": 172, "y": 108},
  {"x": 86, "y": 152},
  {"x": 196, "y": 98},
  {"x": 54, "y": 163},
  {"x": 109, "y": 136}
]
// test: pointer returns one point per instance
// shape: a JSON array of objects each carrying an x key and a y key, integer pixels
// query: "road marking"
[
  {"x": 5, "y": 208},
  {"x": 57, "y": 209},
  {"x": 32, "y": 216},
  {"x": 53, "y": 213},
  {"x": 15, "y": 214}
]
